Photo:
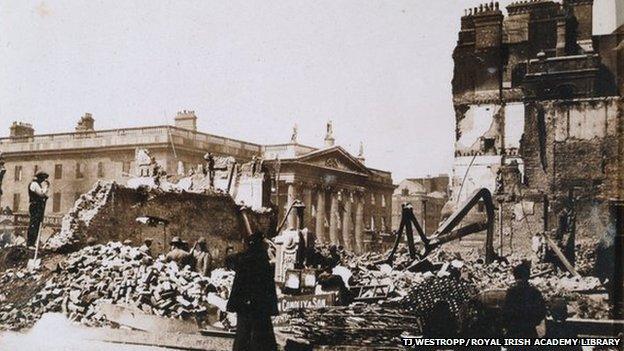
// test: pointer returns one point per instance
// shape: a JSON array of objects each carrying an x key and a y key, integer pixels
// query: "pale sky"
[{"x": 379, "y": 69}]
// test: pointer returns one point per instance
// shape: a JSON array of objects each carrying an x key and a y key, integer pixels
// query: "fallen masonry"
[
  {"x": 79, "y": 284},
  {"x": 111, "y": 273}
]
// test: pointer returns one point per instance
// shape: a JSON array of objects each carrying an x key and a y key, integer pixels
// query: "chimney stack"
[
  {"x": 21, "y": 130},
  {"x": 186, "y": 120},
  {"x": 86, "y": 123}
]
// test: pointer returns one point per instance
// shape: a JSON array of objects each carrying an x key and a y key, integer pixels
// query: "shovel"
[{"x": 34, "y": 263}]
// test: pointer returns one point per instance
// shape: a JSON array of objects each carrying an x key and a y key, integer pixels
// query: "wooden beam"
[
  {"x": 561, "y": 256},
  {"x": 137, "y": 319}
]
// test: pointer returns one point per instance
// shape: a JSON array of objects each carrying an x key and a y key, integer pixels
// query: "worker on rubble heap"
[
  {"x": 524, "y": 307},
  {"x": 146, "y": 248},
  {"x": 254, "y": 298},
  {"x": 178, "y": 254},
  {"x": 202, "y": 258},
  {"x": 2, "y": 172},
  {"x": 37, "y": 197},
  {"x": 210, "y": 168}
]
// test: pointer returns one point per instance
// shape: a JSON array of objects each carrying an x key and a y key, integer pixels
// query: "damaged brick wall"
[{"x": 575, "y": 145}]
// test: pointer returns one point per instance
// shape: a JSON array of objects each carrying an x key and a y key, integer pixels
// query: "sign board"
[
  {"x": 23, "y": 220},
  {"x": 289, "y": 303}
]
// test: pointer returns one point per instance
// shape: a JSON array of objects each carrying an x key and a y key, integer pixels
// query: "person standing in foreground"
[
  {"x": 524, "y": 306},
  {"x": 37, "y": 196},
  {"x": 254, "y": 299}
]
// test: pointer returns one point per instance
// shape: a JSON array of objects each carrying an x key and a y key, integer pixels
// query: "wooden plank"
[
  {"x": 176, "y": 341},
  {"x": 137, "y": 319},
  {"x": 561, "y": 256}
]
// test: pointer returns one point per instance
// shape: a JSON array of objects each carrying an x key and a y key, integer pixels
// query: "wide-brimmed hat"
[{"x": 41, "y": 175}]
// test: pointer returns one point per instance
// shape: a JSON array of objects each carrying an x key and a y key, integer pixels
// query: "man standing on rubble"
[
  {"x": 202, "y": 258},
  {"x": 210, "y": 163},
  {"x": 524, "y": 306},
  {"x": 178, "y": 254},
  {"x": 254, "y": 298},
  {"x": 146, "y": 248},
  {"x": 37, "y": 197},
  {"x": 2, "y": 172}
]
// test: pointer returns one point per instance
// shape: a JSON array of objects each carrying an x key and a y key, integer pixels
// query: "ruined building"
[{"x": 538, "y": 102}]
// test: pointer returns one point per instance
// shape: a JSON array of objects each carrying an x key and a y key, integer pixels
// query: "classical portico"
[{"x": 338, "y": 190}]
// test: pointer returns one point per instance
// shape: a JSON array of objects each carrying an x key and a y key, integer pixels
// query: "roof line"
[{"x": 127, "y": 129}]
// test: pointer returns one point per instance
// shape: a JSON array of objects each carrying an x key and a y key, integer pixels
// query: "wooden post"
[{"x": 500, "y": 226}]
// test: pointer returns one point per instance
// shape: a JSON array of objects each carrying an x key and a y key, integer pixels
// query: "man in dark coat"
[
  {"x": 524, "y": 306},
  {"x": 254, "y": 298},
  {"x": 37, "y": 197}
]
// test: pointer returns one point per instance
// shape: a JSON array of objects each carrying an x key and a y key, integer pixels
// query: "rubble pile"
[
  {"x": 357, "y": 325},
  {"x": 114, "y": 273},
  {"x": 413, "y": 288},
  {"x": 85, "y": 209},
  {"x": 586, "y": 255}
]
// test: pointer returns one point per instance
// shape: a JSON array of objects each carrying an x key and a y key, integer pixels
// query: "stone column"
[
  {"x": 346, "y": 222},
  {"x": 292, "y": 196},
  {"x": 333, "y": 220},
  {"x": 561, "y": 37},
  {"x": 307, "y": 201},
  {"x": 359, "y": 224},
  {"x": 320, "y": 216}
]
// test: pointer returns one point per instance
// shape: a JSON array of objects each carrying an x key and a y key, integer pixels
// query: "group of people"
[{"x": 198, "y": 258}]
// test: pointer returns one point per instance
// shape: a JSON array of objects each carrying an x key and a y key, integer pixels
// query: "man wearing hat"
[
  {"x": 524, "y": 307},
  {"x": 178, "y": 254},
  {"x": 146, "y": 248},
  {"x": 253, "y": 298},
  {"x": 37, "y": 196},
  {"x": 210, "y": 163},
  {"x": 202, "y": 258},
  {"x": 2, "y": 172}
]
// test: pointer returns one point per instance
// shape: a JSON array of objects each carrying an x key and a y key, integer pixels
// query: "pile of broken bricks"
[{"x": 118, "y": 274}]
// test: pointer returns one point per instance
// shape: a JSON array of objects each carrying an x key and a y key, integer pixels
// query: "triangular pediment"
[{"x": 335, "y": 158}]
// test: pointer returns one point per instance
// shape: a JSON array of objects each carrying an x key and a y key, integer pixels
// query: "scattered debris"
[
  {"x": 112, "y": 273},
  {"x": 356, "y": 325}
]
